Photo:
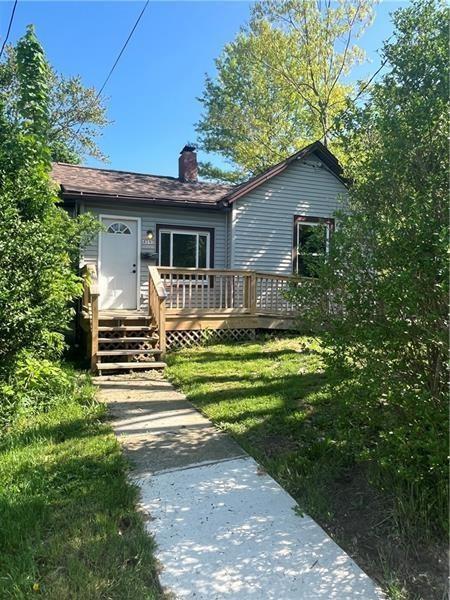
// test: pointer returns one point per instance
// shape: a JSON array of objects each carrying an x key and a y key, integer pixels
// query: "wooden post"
[
  {"x": 94, "y": 332},
  {"x": 247, "y": 291},
  {"x": 162, "y": 327},
  {"x": 151, "y": 291},
  {"x": 157, "y": 305},
  {"x": 252, "y": 296}
]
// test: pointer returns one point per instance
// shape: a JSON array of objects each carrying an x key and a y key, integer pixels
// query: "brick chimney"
[{"x": 187, "y": 164}]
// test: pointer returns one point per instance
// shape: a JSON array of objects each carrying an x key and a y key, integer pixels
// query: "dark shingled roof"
[{"x": 123, "y": 185}]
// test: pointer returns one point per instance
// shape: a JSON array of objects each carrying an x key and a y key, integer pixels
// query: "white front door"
[{"x": 118, "y": 263}]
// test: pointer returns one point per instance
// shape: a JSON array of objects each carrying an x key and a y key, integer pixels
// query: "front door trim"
[{"x": 138, "y": 246}]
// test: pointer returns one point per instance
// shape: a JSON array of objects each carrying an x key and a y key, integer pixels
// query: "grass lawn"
[
  {"x": 277, "y": 400},
  {"x": 68, "y": 522}
]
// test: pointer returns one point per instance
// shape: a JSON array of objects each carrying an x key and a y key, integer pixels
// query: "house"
[{"x": 208, "y": 256}]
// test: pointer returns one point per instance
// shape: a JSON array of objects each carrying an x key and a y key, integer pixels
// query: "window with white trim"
[
  {"x": 312, "y": 239},
  {"x": 184, "y": 248}
]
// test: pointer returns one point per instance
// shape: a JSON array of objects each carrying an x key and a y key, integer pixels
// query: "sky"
[{"x": 152, "y": 94}]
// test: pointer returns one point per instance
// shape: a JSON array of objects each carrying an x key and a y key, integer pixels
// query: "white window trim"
[{"x": 192, "y": 232}]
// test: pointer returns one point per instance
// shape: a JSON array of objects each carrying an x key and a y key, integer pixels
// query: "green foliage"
[
  {"x": 39, "y": 242},
  {"x": 69, "y": 526},
  {"x": 33, "y": 100},
  {"x": 35, "y": 385},
  {"x": 279, "y": 84},
  {"x": 75, "y": 117},
  {"x": 382, "y": 295}
]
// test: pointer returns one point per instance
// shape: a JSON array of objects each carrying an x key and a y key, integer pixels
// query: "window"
[
  {"x": 118, "y": 228},
  {"x": 184, "y": 248},
  {"x": 311, "y": 241}
]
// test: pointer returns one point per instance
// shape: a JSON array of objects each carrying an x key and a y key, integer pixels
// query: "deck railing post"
[
  {"x": 252, "y": 303},
  {"x": 246, "y": 291}
]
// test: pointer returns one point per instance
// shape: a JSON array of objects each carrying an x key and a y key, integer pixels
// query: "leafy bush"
[
  {"x": 39, "y": 382},
  {"x": 35, "y": 385},
  {"x": 402, "y": 440},
  {"x": 39, "y": 244},
  {"x": 381, "y": 298}
]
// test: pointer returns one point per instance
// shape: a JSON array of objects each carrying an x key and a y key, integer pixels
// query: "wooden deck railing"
[
  {"x": 270, "y": 293},
  {"x": 157, "y": 305},
  {"x": 90, "y": 309},
  {"x": 223, "y": 291}
]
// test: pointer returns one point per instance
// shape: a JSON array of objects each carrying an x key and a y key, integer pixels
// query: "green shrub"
[
  {"x": 40, "y": 382},
  {"x": 35, "y": 385},
  {"x": 381, "y": 298},
  {"x": 39, "y": 246},
  {"x": 402, "y": 439}
]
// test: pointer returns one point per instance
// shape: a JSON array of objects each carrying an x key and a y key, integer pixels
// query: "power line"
[
  {"x": 369, "y": 81},
  {"x": 123, "y": 48},
  {"x": 9, "y": 27},
  {"x": 111, "y": 71},
  {"x": 361, "y": 90}
]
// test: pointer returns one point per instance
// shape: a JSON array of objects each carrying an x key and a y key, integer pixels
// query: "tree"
[
  {"x": 382, "y": 295},
  {"x": 38, "y": 239},
  {"x": 76, "y": 113},
  {"x": 280, "y": 83}
]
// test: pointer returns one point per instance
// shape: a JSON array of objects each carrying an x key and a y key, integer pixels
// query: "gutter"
[{"x": 76, "y": 195}]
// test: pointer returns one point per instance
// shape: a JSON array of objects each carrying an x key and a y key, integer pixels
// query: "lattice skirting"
[{"x": 199, "y": 337}]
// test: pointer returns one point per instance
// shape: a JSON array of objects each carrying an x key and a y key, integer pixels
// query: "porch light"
[{"x": 149, "y": 234}]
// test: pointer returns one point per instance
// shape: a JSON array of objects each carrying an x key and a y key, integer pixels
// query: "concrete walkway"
[{"x": 224, "y": 529}]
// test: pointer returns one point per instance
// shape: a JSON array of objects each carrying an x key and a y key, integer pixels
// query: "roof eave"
[
  {"x": 327, "y": 157},
  {"x": 68, "y": 194}
]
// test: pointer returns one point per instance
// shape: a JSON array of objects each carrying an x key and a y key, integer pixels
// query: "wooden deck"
[
  {"x": 183, "y": 300},
  {"x": 186, "y": 319},
  {"x": 208, "y": 320},
  {"x": 215, "y": 299}
]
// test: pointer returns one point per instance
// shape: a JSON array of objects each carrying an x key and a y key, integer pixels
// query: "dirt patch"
[
  {"x": 274, "y": 445},
  {"x": 361, "y": 522}
]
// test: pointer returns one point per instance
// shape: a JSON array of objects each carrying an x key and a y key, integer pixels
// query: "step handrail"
[
  {"x": 90, "y": 302},
  {"x": 157, "y": 305}
]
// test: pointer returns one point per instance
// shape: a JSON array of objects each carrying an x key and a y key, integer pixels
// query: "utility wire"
[
  {"x": 111, "y": 71},
  {"x": 362, "y": 89},
  {"x": 9, "y": 27}
]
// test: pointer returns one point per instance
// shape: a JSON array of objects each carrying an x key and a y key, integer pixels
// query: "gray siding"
[
  {"x": 150, "y": 217},
  {"x": 257, "y": 234},
  {"x": 229, "y": 233},
  {"x": 262, "y": 221}
]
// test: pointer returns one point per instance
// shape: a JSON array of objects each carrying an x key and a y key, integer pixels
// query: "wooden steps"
[
  {"x": 127, "y": 352},
  {"x": 127, "y": 335},
  {"x": 127, "y": 328},
  {"x": 125, "y": 317},
  {"x": 113, "y": 340},
  {"x": 129, "y": 366}
]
